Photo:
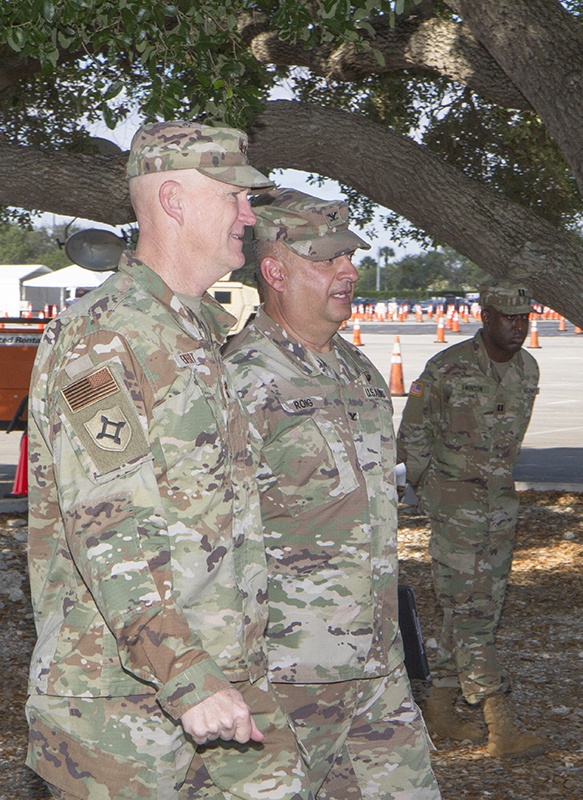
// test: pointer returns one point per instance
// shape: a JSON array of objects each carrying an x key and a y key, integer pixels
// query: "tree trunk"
[{"x": 540, "y": 47}]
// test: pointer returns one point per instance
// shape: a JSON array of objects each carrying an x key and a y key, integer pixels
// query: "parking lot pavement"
[
  {"x": 9, "y": 455},
  {"x": 552, "y": 452}
]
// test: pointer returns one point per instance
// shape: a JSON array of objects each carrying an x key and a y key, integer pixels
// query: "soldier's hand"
[{"x": 224, "y": 715}]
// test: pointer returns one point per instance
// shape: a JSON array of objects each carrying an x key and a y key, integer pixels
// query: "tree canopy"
[
  {"x": 417, "y": 276},
  {"x": 19, "y": 245},
  {"x": 460, "y": 116}
]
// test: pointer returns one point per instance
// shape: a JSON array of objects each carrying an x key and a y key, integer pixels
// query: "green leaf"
[
  {"x": 64, "y": 40},
  {"x": 16, "y": 39},
  {"x": 366, "y": 26},
  {"x": 108, "y": 116},
  {"x": 49, "y": 59},
  {"x": 379, "y": 57},
  {"x": 113, "y": 91},
  {"x": 49, "y": 11}
]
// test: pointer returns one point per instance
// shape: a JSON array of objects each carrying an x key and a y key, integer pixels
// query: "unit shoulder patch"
[
  {"x": 110, "y": 429},
  {"x": 103, "y": 424}
]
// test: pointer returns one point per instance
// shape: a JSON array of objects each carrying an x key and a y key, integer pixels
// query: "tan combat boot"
[
  {"x": 442, "y": 720},
  {"x": 505, "y": 740}
]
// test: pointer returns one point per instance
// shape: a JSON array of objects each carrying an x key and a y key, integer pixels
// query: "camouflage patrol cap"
[
  {"x": 220, "y": 153},
  {"x": 313, "y": 228},
  {"x": 505, "y": 296}
]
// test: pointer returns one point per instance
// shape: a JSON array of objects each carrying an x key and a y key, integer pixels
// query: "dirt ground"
[{"x": 540, "y": 641}]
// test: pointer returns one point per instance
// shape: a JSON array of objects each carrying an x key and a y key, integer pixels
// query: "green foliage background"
[{"x": 21, "y": 245}]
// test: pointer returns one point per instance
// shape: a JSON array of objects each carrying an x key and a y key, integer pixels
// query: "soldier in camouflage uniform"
[
  {"x": 460, "y": 437},
  {"x": 328, "y": 500},
  {"x": 147, "y": 563}
]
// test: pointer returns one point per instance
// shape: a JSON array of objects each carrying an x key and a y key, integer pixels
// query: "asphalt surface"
[{"x": 552, "y": 452}]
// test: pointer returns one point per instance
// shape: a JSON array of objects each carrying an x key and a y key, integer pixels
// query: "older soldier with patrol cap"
[
  {"x": 329, "y": 507},
  {"x": 147, "y": 563},
  {"x": 460, "y": 437}
]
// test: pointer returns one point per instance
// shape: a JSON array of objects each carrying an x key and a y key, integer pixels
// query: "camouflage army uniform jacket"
[
  {"x": 461, "y": 433},
  {"x": 146, "y": 558},
  {"x": 328, "y": 502}
]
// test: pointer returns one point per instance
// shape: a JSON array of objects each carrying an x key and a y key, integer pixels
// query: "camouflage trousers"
[
  {"x": 128, "y": 749},
  {"x": 362, "y": 738},
  {"x": 470, "y": 573}
]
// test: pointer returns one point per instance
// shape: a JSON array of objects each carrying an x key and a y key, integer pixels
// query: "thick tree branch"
[
  {"x": 442, "y": 46},
  {"x": 502, "y": 237},
  {"x": 89, "y": 186}
]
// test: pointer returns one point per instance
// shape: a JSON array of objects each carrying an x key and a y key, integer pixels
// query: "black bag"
[{"x": 415, "y": 656}]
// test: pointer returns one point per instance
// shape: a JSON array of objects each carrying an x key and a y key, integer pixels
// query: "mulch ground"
[{"x": 540, "y": 641}]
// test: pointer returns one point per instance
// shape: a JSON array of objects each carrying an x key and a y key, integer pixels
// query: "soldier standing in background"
[
  {"x": 147, "y": 563},
  {"x": 329, "y": 508},
  {"x": 460, "y": 437}
]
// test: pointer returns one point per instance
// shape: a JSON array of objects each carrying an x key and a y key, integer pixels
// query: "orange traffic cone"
[
  {"x": 440, "y": 331},
  {"x": 577, "y": 329},
  {"x": 20, "y": 486},
  {"x": 396, "y": 380},
  {"x": 356, "y": 340},
  {"x": 562, "y": 324},
  {"x": 534, "y": 345},
  {"x": 455, "y": 322}
]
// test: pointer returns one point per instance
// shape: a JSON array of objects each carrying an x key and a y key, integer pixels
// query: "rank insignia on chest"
[{"x": 500, "y": 408}]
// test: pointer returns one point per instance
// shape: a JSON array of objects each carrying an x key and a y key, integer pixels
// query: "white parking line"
[{"x": 555, "y": 430}]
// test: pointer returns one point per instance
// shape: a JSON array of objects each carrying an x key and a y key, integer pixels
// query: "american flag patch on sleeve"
[
  {"x": 89, "y": 390},
  {"x": 416, "y": 389}
]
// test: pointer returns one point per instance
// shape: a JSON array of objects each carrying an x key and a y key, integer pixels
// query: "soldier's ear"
[
  {"x": 274, "y": 273},
  {"x": 169, "y": 197}
]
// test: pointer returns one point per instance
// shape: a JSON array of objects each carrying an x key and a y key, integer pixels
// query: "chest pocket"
[
  {"x": 190, "y": 423},
  {"x": 469, "y": 412},
  {"x": 308, "y": 456}
]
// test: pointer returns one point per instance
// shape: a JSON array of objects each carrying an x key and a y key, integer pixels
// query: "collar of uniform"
[
  {"x": 217, "y": 318},
  {"x": 308, "y": 359}
]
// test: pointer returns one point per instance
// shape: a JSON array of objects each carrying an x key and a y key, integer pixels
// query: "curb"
[
  {"x": 13, "y": 505},
  {"x": 574, "y": 488}
]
